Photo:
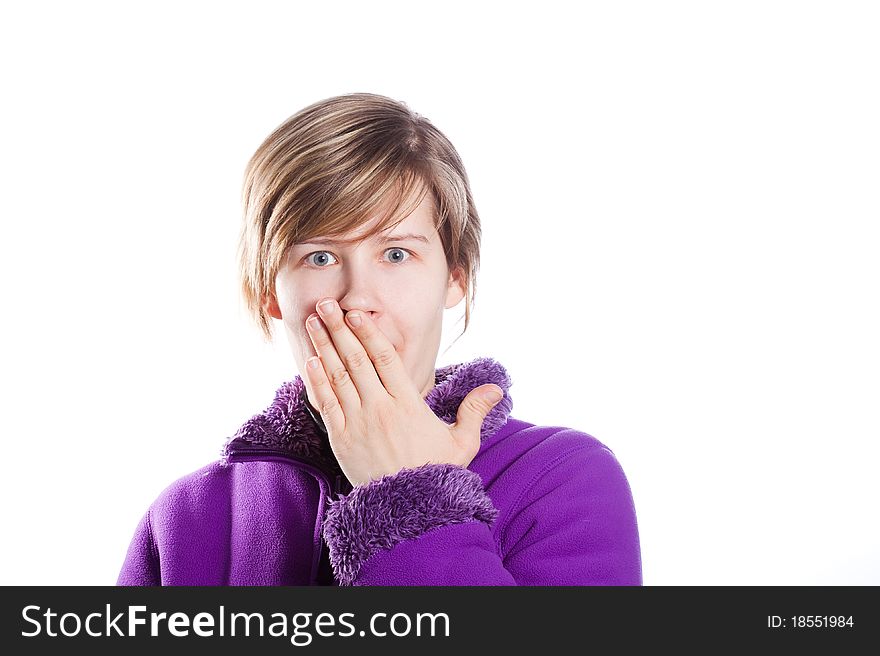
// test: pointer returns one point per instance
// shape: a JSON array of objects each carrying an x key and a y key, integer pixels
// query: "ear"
[
  {"x": 456, "y": 288},
  {"x": 270, "y": 304}
]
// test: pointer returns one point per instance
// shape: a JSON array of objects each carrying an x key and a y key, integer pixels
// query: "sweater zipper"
[{"x": 245, "y": 453}]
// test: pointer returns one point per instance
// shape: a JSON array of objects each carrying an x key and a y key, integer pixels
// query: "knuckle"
[
  {"x": 328, "y": 407},
  {"x": 356, "y": 360},
  {"x": 340, "y": 377},
  {"x": 322, "y": 339},
  {"x": 383, "y": 358}
]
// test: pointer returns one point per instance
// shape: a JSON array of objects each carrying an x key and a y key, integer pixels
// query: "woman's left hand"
[{"x": 377, "y": 421}]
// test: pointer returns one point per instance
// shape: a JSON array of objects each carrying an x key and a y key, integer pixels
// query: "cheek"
[
  {"x": 296, "y": 307},
  {"x": 295, "y": 316},
  {"x": 296, "y": 297},
  {"x": 419, "y": 315}
]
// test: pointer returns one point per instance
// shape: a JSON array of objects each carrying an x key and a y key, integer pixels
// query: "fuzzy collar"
[{"x": 291, "y": 424}]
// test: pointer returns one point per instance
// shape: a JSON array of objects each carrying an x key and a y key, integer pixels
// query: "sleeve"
[
  {"x": 424, "y": 526},
  {"x": 141, "y": 565},
  {"x": 576, "y": 524},
  {"x": 572, "y": 523}
]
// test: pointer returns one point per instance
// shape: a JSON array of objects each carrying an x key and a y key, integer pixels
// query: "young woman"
[{"x": 377, "y": 467}]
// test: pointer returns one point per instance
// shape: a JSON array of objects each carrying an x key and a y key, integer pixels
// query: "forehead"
[{"x": 419, "y": 222}]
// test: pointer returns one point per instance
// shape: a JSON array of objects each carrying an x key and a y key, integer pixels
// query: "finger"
[
  {"x": 325, "y": 400},
  {"x": 337, "y": 375},
  {"x": 471, "y": 414},
  {"x": 352, "y": 354},
  {"x": 307, "y": 381},
  {"x": 384, "y": 357}
]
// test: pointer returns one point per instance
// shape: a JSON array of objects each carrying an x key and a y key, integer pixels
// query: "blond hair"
[{"x": 330, "y": 167}]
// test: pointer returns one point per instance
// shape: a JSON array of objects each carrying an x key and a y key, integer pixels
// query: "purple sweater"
[{"x": 537, "y": 506}]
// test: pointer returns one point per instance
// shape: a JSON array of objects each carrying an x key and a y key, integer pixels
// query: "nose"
[{"x": 360, "y": 291}]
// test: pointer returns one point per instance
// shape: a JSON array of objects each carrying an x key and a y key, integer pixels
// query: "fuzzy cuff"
[{"x": 399, "y": 507}]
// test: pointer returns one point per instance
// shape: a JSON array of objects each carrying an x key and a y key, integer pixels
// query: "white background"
[{"x": 680, "y": 206}]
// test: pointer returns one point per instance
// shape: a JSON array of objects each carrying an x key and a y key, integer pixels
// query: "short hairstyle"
[{"x": 332, "y": 166}]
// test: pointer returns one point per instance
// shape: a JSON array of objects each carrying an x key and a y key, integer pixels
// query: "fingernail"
[
  {"x": 494, "y": 396},
  {"x": 327, "y": 306},
  {"x": 313, "y": 362},
  {"x": 354, "y": 318}
]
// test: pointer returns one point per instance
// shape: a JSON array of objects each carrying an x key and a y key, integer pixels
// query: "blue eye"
[
  {"x": 402, "y": 254},
  {"x": 323, "y": 259}
]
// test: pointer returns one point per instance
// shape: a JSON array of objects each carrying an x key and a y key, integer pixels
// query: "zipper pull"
[{"x": 338, "y": 486}]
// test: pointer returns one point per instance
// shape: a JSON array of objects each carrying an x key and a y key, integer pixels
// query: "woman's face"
[{"x": 399, "y": 277}]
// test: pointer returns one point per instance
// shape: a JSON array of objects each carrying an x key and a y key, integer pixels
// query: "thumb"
[{"x": 475, "y": 406}]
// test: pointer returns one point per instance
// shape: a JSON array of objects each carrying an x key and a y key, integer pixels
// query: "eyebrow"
[{"x": 410, "y": 236}]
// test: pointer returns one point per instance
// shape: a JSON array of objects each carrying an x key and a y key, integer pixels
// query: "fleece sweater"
[{"x": 538, "y": 505}]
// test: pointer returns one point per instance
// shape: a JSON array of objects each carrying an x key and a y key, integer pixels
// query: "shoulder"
[
  {"x": 193, "y": 487},
  {"x": 220, "y": 485},
  {"x": 524, "y": 461},
  {"x": 519, "y": 439}
]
